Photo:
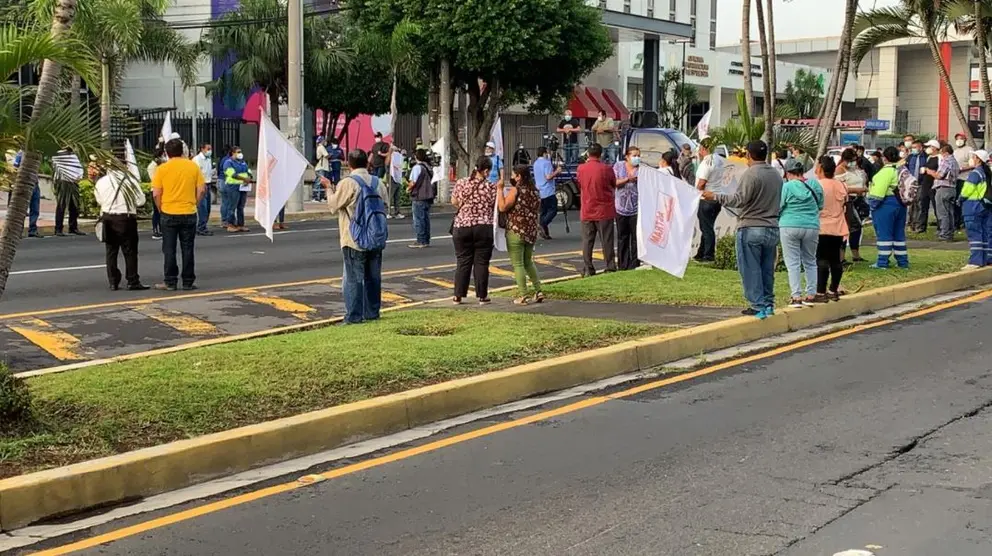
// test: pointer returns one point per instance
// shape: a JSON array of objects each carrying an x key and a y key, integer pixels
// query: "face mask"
[
  {"x": 635, "y": 161},
  {"x": 568, "y": 115},
  {"x": 334, "y": 145},
  {"x": 959, "y": 142},
  {"x": 208, "y": 153},
  {"x": 489, "y": 152},
  {"x": 908, "y": 144},
  {"x": 916, "y": 151},
  {"x": 902, "y": 154},
  {"x": 240, "y": 156}
]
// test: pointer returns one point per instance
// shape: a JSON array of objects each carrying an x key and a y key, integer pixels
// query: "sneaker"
[
  {"x": 809, "y": 301},
  {"x": 417, "y": 246},
  {"x": 970, "y": 267},
  {"x": 822, "y": 298},
  {"x": 204, "y": 233},
  {"x": 769, "y": 311},
  {"x": 166, "y": 287},
  {"x": 834, "y": 296},
  {"x": 749, "y": 312},
  {"x": 400, "y": 216},
  {"x": 139, "y": 287},
  {"x": 156, "y": 236},
  {"x": 796, "y": 303},
  {"x": 35, "y": 234},
  {"x": 77, "y": 233},
  {"x": 761, "y": 315},
  {"x": 389, "y": 217}
]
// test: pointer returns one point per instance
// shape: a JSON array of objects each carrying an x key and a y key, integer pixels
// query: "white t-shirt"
[{"x": 711, "y": 170}]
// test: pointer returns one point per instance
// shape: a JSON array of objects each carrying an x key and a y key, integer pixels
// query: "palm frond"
[
  {"x": 25, "y": 46},
  {"x": 874, "y": 37}
]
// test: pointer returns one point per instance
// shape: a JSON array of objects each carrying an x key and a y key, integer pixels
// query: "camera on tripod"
[{"x": 552, "y": 142}]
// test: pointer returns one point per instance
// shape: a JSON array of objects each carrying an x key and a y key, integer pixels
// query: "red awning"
[
  {"x": 597, "y": 98},
  {"x": 581, "y": 105},
  {"x": 613, "y": 99}
]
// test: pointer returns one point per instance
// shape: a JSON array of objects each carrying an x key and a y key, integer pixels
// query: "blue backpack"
[{"x": 368, "y": 223}]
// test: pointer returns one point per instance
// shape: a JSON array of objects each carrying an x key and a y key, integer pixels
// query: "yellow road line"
[
  {"x": 390, "y": 297},
  {"x": 436, "y": 282},
  {"x": 501, "y": 272},
  {"x": 61, "y": 345},
  {"x": 555, "y": 264},
  {"x": 598, "y": 256},
  {"x": 187, "y": 324},
  {"x": 219, "y": 505},
  {"x": 297, "y": 309}
]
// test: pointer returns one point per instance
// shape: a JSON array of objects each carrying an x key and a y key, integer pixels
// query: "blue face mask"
[{"x": 635, "y": 161}]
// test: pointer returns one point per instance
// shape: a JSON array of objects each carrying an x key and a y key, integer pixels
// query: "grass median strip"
[
  {"x": 124, "y": 406},
  {"x": 707, "y": 286}
]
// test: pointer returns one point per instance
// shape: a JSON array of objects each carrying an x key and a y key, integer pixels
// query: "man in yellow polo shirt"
[{"x": 177, "y": 187}]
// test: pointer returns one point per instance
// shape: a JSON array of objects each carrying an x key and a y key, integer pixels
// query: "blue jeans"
[
  {"x": 799, "y": 251},
  {"x": 978, "y": 227},
  {"x": 239, "y": 212},
  {"x": 610, "y": 153},
  {"x": 549, "y": 209},
  {"x": 889, "y": 217},
  {"x": 422, "y": 221},
  {"x": 228, "y": 202},
  {"x": 317, "y": 194},
  {"x": 362, "y": 284},
  {"x": 571, "y": 153},
  {"x": 203, "y": 211},
  {"x": 34, "y": 210},
  {"x": 756, "y": 263}
]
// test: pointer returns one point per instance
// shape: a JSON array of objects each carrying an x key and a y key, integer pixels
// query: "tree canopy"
[{"x": 803, "y": 96}]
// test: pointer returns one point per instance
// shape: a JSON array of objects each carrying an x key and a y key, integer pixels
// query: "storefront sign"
[
  {"x": 876, "y": 125},
  {"x": 696, "y": 66}
]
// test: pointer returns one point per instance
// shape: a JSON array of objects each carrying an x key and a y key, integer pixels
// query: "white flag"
[
  {"x": 166, "y": 128},
  {"x": 666, "y": 220},
  {"x": 132, "y": 162},
  {"x": 703, "y": 127},
  {"x": 496, "y": 136},
  {"x": 439, "y": 149},
  {"x": 280, "y": 167}
]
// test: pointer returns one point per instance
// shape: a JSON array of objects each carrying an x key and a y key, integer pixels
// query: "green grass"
[
  {"x": 114, "y": 408},
  {"x": 707, "y": 286}
]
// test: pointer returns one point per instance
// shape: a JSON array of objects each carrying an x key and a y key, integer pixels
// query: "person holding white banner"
[
  {"x": 709, "y": 176},
  {"x": 626, "y": 200}
]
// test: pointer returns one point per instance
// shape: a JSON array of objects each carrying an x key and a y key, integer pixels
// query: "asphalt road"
[
  {"x": 880, "y": 438},
  {"x": 57, "y": 272}
]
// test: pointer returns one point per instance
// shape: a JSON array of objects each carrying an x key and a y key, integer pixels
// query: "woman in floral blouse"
[
  {"x": 521, "y": 202},
  {"x": 472, "y": 232}
]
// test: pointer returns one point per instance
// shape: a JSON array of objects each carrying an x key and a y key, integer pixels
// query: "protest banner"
[
  {"x": 280, "y": 167},
  {"x": 666, "y": 218}
]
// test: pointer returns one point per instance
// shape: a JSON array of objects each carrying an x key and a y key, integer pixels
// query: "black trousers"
[
  {"x": 829, "y": 263},
  {"x": 549, "y": 209},
  {"x": 604, "y": 229},
  {"x": 708, "y": 211},
  {"x": 473, "y": 251},
  {"x": 60, "y": 210},
  {"x": 627, "y": 242},
  {"x": 120, "y": 234},
  {"x": 181, "y": 229},
  {"x": 922, "y": 217}
]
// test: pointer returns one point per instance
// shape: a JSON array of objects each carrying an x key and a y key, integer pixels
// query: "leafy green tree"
[
  {"x": 675, "y": 98},
  {"x": 803, "y": 96},
  {"x": 744, "y": 128},
  {"x": 399, "y": 53},
  {"x": 527, "y": 51},
  {"x": 256, "y": 37}
]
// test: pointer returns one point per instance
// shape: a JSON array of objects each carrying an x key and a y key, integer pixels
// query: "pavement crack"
[
  {"x": 746, "y": 534},
  {"x": 839, "y": 516}
]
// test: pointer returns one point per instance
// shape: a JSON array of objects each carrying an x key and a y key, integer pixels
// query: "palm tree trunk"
[
  {"x": 746, "y": 54},
  {"x": 945, "y": 78},
  {"x": 392, "y": 106},
  {"x": 766, "y": 79},
  {"x": 831, "y": 105},
  {"x": 773, "y": 69},
  {"x": 983, "y": 70},
  {"x": 105, "y": 102},
  {"x": 27, "y": 174}
]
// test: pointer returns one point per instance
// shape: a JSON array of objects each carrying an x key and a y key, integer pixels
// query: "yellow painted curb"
[{"x": 55, "y": 492}]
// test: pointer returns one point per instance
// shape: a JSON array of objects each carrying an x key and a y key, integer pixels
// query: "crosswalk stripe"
[
  {"x": 390, "y": 297},
  {"x": 61, "y": 345},
  {"x": 555, "y": 264},
  {"x": 437, "y": 282},
  {"x": 500, "y": 272},
  {"x": 187, "y": 324},
  {"x": 598, "y": 256},
  {"x": 298, "y": 310}
]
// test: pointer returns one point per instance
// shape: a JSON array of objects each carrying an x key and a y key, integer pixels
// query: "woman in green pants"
[{"x": 521, "y": 203}]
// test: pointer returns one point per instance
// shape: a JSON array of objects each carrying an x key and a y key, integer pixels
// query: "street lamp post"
[{"x": 295, "y": 92}]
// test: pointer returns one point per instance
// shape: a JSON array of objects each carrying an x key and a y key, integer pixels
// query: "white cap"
[
  {"x": 933, "y": 143},
  {"x": 982, "y": 155},
  {"x": 491, "y": 145},
  {"x": 175, "y": 136}
]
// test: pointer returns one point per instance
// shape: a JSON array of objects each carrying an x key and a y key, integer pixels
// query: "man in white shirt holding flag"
[{"x": 119, "y": 195}]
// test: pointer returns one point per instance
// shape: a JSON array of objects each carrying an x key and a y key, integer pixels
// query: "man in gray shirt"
[{"x": 757, "y": 200}]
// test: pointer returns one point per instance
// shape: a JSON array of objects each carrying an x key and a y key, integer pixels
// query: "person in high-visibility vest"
[
  {"x": 888, "y": 213},
  {"x": 237, "y": 180},
  {"x": 977, "y": 211}
]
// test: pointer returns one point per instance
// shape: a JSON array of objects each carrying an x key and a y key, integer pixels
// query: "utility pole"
[
  {"x": 444, "y": 123},
  {"x": 295, "y": 93}
]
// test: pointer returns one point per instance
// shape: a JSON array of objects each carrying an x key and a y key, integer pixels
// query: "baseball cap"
[
  {"x": 794, "y": 166},
  {"x": 491, "y": 145},
  {"x": 933, "y": 143},
  {"x": 960, "y": 136},
  {"x": 982, "y": 155}
]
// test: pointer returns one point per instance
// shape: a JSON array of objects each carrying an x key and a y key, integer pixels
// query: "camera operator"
[
  {"x": 569, "y": 127},
  {"x": 521, "y": 156}
]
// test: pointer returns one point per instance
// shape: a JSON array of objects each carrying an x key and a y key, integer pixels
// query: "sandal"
[
  {"x": 520, "y": 301},
  {"x": 539, "y": 297}
]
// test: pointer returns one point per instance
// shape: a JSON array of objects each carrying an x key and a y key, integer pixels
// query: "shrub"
[
  {"x": 15, "y": 398},
  {"x": 726, "y": 253}
]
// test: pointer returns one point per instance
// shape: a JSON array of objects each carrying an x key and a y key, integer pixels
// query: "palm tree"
[
  {"x": 399, "y": 51},
  {"x": 746, "y": 53},
  {"x": 766, "y": 80},
  {"x": 52, "y": 125},
  {"x": 911, "y": 19},
  {"x": 772, "y": 58},
  {"x": 974, "y": 17},
  {"x": 256, "y": 38},
  {"x": 744, "y": 128},
  {"x": 123, "y": 31},
  {"x": 835, "y": 94}
]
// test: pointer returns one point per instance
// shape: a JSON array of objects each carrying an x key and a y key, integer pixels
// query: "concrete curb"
[{"x": 55, "y": 492}]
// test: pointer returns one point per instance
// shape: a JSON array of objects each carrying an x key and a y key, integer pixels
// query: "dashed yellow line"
[
  {"x": 61, "y": 345},
  {"x": 500, "y": 272},
  {"x": 555, "y": 264},
  {"x": 598, "y": 256},
  {"x": 390, "y": 297},
  {"x": 436, "y": 282},
  {"x": 297, "y": 309},
  {"x": 187, "y": 324}
]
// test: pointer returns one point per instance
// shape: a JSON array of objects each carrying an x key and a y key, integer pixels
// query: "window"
[
  {"x": 626, "y": 6},
  {"x": 602, "y": 4},
  {"x": 712, "y": 9},
  {"x": 712, "y": 35},
  {"x": 692, "y": 23},
  {"x": 635, "y": 96},
  {"x": 671, "y": 9},
  {"x": 650, "y": 8},
  {"x": 692, "y": 8}
]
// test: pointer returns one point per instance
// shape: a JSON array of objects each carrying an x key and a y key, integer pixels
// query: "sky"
[{"x": 794, "y": 19}]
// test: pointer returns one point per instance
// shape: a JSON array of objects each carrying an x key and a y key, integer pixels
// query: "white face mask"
[
  {"x": 959, "y": 142},
  {"x": 908, "y": 144},
  {"x": 240, "y": 156},
  {"x": 902, "y": 154},
  {"x": 568, "y": 115}
]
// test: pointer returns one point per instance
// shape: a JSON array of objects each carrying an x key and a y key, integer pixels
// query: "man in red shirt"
[{"x": 597, "y": 185}]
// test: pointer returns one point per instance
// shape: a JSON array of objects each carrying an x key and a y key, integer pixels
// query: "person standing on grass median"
[
  {"x": 204, "y": 160},
  {"x": 708, "y": 175},
  {"x": 472, "y": 232},
  {"x": 544, "y": 177},
  {"x": 521, "y": 203},
  {"x": 114, "y": 192},
  {"x": 362, "y": 267},
  {"x": 177, "y": 187},
  {"x": 962, "y": 154},
  {"x": 422, "y": 193},
  {"x": 758, "y": 198},
  {"x": 597, "y": 189},
  {"x": 626, "y": 204},
  {"x": 853, "y": 177},
  {"x": 888, "y": 214},
  {"x": 799, "y": 230},
  {"x": 944, "y": 190},
  {"x": 833, "y": 230},
  {"x": 977, "y": 212},
  {"x": 920, "y": 219}
]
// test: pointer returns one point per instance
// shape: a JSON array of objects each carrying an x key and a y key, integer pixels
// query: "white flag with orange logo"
[
  {"x": 280, "y": 167},
  {"x": 666, "y": 220}
]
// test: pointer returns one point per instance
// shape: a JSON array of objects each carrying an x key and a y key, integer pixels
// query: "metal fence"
[{"x": 219, "y": 132}]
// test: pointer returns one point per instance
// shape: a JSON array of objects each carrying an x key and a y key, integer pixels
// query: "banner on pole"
[
  {"x": 166, "y": 128},
  {"x": 666, "y": 220},
  {"x": 703, "y": 127},
  {"x": 280, "y": 167},
  {"x": 496, "y": 136}
]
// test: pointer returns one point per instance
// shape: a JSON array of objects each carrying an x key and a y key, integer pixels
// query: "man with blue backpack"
[{"x": 360, "y": 203}]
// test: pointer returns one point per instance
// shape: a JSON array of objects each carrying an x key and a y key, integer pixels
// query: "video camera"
[{"x": 552, "y": 142}]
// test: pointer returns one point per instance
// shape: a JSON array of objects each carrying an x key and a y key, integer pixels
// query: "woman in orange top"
[{"x": 833, "y": 232}]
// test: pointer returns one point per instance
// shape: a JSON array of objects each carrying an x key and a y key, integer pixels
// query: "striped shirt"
[{"x": 67, "y": 167}]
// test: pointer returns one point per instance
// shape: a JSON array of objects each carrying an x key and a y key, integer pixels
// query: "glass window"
[
  {"x": 653, "y": 144},
  {"x": 626, "y": 6},
  {"x": 692, "y": 7},
  {"x": 671, "y": 9},
  {"x": 602, "y": 4},
  {"x": 650, "y": 8}
]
